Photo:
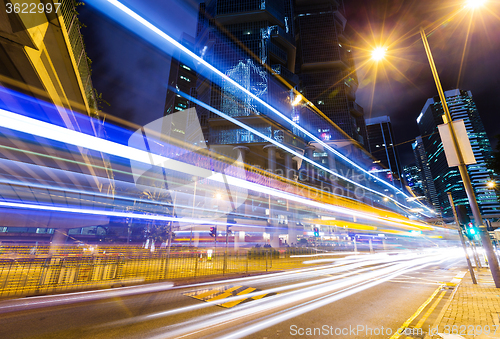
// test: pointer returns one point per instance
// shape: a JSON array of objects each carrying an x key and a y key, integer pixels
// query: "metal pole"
[
  {"x": 474, "y": 252},
  {"x": 192, "y": 212},
  {"x": 485, "y": 238},
  {"x": 473, "y": 277}
]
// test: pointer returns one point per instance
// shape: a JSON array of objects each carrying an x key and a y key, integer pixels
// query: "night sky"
[{"x": 132, "y": 74}]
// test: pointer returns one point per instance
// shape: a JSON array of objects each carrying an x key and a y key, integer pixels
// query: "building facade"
[
  {"x": 326, "y": 68},
  {"x": 381, "y": 143},
  {"x": 428, "y": 186},
  {"x": 446, "y": 179}
]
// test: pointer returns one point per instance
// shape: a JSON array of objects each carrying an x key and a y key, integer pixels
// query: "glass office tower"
[
  {"x": 381, "y": 143},
  {"x": 446, "y": 179},
  {"x": 326, "y": 68}
]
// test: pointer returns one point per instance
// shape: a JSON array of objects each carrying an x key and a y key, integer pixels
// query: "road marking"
[
  {"x": 221, "y": 293},
  {"x": 448, "y": 285},
  {"x": 430, "y": 310},
  {"x": 416, "y": 314}
]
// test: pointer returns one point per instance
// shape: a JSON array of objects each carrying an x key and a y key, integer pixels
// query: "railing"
[{"x": 28, "y": 270}]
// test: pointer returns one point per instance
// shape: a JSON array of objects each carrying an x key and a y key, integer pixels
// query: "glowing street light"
[
  {"x": 491, "y": 184},
  {"x": 378, "y": 53},
  {"x": 297, "y": 99},
  {"x": 473, "y": 4}
]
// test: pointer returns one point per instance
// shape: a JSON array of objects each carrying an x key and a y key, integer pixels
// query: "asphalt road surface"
[{"x": 357, "y": 296}]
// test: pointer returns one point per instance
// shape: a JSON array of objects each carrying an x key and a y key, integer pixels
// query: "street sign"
[{"x": 463, "y": 142}]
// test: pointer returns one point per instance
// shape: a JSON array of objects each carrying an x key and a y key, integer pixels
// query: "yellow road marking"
[
  {"x": 248, "y": 290},
  {"x": 420, "y": 309},
  {"x": 257, "y": 297},
  {"x": 205, "y": 294},
  {"x": 227, "y": 293},
  {"x": 430, "y": 310},
  {"x": 236, "y": 302}
]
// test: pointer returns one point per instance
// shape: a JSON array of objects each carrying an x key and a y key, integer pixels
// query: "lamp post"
[
  {"x": 485, "y": 238},
  {"x": 377, "y": 55}
]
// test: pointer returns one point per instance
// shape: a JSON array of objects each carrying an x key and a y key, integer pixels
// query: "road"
[{"x": 357, "y": 296}]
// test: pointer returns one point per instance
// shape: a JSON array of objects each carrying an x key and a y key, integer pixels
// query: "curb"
[{"x": 445, "y": 307}]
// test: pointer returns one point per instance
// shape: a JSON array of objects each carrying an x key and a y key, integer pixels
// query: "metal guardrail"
[{"x": 29, "y": 271}]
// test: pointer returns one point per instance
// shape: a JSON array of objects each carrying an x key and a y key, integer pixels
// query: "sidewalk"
[{"x": 472, "y": 312}]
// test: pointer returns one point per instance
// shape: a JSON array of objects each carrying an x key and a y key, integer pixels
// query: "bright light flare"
[
  {"x": 491, "y": 184},
  {"x": 379, "y": 53},
  {"x": 474, "y": 4},
  {"x": 297, "y": 99}
]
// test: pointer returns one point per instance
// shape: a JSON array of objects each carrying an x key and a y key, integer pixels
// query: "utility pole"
[
  {"x": 459, "y": 229},
  {"x": 483, "y": 232}
]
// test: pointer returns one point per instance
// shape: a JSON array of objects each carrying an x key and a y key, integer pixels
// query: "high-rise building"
[
  {"x": 381, "y": 143},
  {"x": 446, "y": 179},
  {"x": 182, "y": 77},
  {"x": 326, "y": 68},
  {"x": 413, "y": 179},
  {"x": 428, "y": 186}
]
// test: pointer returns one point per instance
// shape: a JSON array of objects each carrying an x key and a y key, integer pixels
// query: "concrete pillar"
[
  {"x": 310, "y": 154},
  {"x": 289, "y": 166},
  {"x": 271, "y": 157},
  {"x": 332, "y": 166},
  {"x": 58, "y": 239},
  {"x": 292, "y": 232},
  {"x": 242, "y": 151},
  {"x": 309, "y": 151}
]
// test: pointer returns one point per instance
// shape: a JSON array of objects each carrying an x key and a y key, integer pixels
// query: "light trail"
[
  {"x": 310, "y": 298},
  {"x": 145, "y": 23},
  {"x": 350, "y": 267},
  {"x": 45, "y": 130}
]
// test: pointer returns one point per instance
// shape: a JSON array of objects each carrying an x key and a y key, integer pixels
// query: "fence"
[{"x": 28, "y": 270}]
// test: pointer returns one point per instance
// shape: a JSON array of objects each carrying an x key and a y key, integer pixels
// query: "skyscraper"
[
  {"x": 461, "y": 106},
  {"x": 422, "y": 163},
  {"x": 411, "y": 175},
  {"x": 381, "y": 142},
  {"x": 183, "y": 78},
  {"x": 326, "y": 68},
  {"x": 252, "y": 43}
]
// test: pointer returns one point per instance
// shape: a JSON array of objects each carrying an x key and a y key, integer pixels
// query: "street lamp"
[
  {"x": 491, "y": 184},
  {"x": 379, "y": 53},
  {"x": 474, "y": 4}
]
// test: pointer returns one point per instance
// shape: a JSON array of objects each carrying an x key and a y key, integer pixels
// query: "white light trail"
[
  {"x": 124, "y": 9},
  {"x": 311, "y": 298},
  {"x": 45, "y": 130}
]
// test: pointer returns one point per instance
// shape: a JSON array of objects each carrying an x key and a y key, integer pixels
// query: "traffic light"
[
  {"x": 230, "y": 221},
  {"x": 316, "y": 232},
  {"x": 213, "y": 231},
  {"x": 463, "y": 217},
  {"x": 471, "y": 231}
]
